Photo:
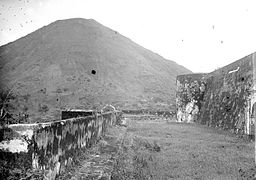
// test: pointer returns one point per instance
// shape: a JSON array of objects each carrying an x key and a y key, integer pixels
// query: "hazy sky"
[{"x": 202, "y": 35}]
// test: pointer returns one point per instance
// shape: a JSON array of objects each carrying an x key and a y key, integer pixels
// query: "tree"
[{"x": 5, "y": 105}]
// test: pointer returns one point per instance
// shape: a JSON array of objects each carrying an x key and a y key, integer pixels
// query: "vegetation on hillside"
[
  {"x": 79, "y": 63},
  {"x": 8, "y": 108}
]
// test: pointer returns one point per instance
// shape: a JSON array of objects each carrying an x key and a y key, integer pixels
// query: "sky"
[{"x": 201, "y": 35}]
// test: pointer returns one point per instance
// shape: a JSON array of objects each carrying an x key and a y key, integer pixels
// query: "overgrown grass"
[
  {"x": 157, "y": 150},
  {"x": 136, "y": 160},
  {"x": 187, "y": 151}
]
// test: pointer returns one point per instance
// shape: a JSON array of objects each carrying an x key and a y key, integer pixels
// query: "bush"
[{"x": 43, "y": 108}]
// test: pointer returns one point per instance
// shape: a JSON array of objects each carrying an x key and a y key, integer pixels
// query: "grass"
[
  {"x": 185, "y": 151},
  {"x": 160, "y": 150}
]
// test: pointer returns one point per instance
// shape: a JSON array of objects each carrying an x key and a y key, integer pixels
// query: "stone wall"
[
  {"x": 223, "y": 98},
  {"x": 151, "y": 112},
  {"x": 189, "y": 96},
  {"x": 52, "y": 146},
  {"x": 254, "y": 97},
  {"x": 75, "y": 113}
]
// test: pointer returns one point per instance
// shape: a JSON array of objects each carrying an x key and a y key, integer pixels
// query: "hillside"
[{"x": 79, "y": 63}]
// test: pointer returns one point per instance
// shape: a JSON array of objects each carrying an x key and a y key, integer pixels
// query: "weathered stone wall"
[
  {"x": 189, "y": 96},
  {"x": 254, "y": 96},
  {"x": 67, "y": 114},
  {"x": 52, "y": 146},
  {"x": 228, "y": 96},
  {"x": 226, "y": 99}
]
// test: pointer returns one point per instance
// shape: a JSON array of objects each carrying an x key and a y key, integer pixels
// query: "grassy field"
[
  {"x": 148, "y": 148},
  {"x": 158, "y": 149}
]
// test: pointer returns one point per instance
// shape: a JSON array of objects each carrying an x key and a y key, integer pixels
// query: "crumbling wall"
[
  {"x": 226, "y": 100},
  {"x": 52, "y": 146},
  {"x": 189, "y": 96}
]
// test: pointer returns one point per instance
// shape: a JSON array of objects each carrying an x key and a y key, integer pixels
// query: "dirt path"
[
  {"x": 97, "y": 163},
  {"x": 156, "y": 149}
]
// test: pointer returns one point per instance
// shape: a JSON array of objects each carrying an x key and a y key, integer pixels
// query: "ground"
[{"x": 147, "y": 147}]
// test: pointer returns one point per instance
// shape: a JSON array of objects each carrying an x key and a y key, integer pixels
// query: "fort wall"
[
  {"x": 51, "y": 147},
  {"x": 223, "y": 98}
]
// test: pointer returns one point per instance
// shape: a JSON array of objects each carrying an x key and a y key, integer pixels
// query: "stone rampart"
[
  {"x": 223, "y": 98},
  {"x": 51, "y": 146}
]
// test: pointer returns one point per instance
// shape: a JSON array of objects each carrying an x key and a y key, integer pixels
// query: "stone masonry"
[{"x": 224, "y": 98}]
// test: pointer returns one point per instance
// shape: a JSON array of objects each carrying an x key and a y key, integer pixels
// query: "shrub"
[{"x": 43, "y": 108}]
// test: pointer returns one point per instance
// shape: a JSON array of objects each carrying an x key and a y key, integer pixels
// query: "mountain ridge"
[{"x": 53, "y": 66}]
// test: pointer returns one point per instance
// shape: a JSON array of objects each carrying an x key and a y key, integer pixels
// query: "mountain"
[{"x": 79, "y": 63}]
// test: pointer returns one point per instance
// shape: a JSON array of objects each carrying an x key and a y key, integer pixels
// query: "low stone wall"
[
  {"x": 223, "y": 98},
  {"x": 51, "y": 146},
  {"x": 142, "y": 111}
]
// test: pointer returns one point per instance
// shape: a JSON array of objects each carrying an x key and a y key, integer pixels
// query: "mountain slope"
[{"x": 79, "y": 63}]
